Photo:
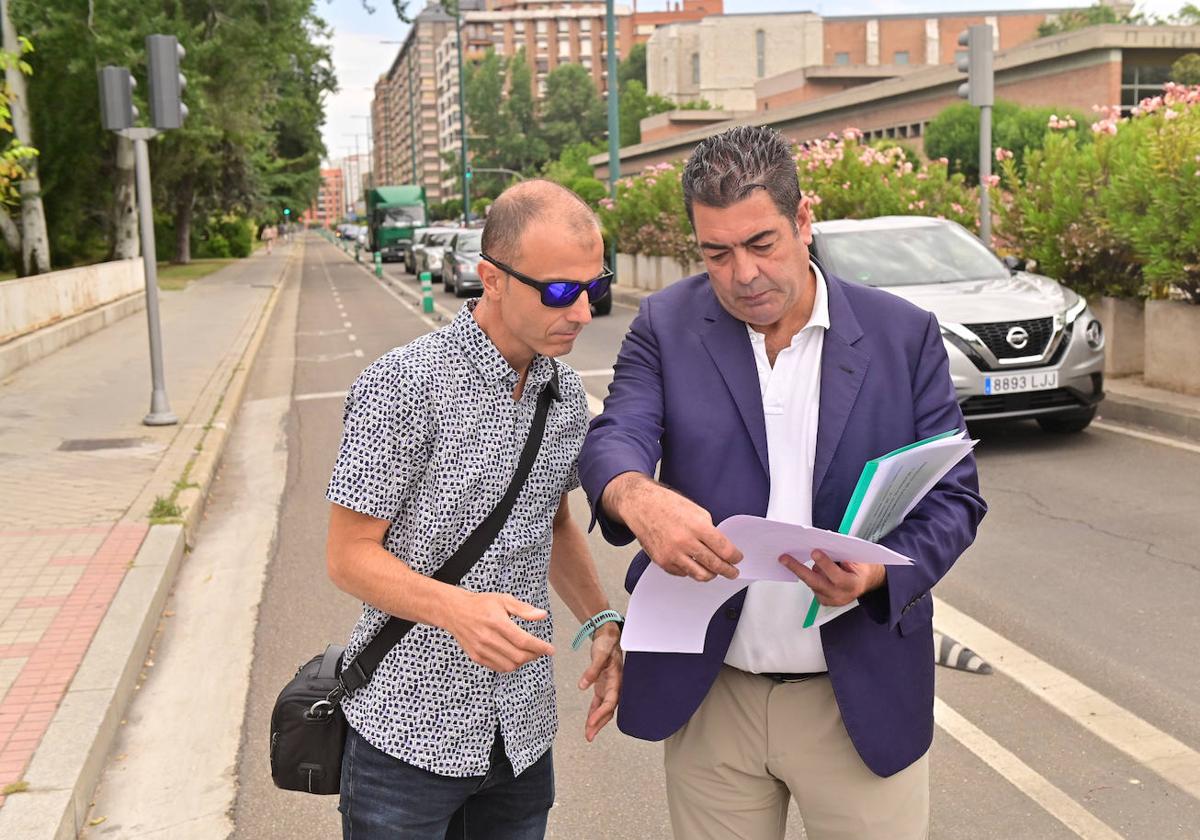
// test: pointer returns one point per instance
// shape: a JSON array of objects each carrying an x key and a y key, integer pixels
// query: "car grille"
[
  {"x": 1029, "y": 401},
  {"x": 995, "y": 336}
]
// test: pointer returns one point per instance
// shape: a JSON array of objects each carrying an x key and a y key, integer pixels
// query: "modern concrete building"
[
  {"x": 1100, "y": 65},
  {"x": 724, "y": 58}
]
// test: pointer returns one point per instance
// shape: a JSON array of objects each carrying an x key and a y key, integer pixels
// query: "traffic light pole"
[
  {"x": 160, "y": 409},
  {"x": 614, "y": 115},
  {"x": 985, "y": 174}
]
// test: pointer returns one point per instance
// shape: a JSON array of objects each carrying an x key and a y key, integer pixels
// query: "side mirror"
[{"x": 1014, "y": 264}]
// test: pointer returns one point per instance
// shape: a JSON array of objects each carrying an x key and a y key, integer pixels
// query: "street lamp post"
[
  {"x": 614, "y": 119},
  {"x": 462, "y": 118}
]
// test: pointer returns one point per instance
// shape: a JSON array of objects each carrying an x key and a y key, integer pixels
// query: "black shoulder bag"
[{"x": 308, "y": 726}]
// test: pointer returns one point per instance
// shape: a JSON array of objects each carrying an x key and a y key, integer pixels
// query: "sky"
[{"x": 360, "y": 54}]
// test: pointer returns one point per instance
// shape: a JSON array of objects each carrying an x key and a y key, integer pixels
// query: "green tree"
[
  {"x": 632, "y": 68},
  {"x": 1186, "y": 70},
  {"x": 635, "y": 105},
  {"x": 250, "y": 143},
  {"x": 954, "y": 133},
  {"x": 572, "y": 111}
]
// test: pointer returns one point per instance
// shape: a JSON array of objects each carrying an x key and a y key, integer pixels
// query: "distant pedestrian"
[
  {"x": 269, "y": 233},
  {"x": 762, "y": 387},
  {"x": 451, "y": 736}
]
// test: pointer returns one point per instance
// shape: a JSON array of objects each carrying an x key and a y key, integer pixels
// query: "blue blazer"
[{"x": 685, "y": 394}]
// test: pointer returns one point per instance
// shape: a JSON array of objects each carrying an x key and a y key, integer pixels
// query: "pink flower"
[
  {"x": 845, "y": 185},
  {"x": 1003, "y": 154},
  {"x": 1170, "y": 114},
  {"x": 944, "y": 161},
  {"x": 992, "y": 180},
  {"x": 956, "y": 207}
]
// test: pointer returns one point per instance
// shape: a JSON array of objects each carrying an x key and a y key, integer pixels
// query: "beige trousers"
[{"x": 754, "y": 743}]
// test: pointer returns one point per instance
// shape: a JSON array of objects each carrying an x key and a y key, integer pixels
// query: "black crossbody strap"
[{"x": 358, "y": 672}]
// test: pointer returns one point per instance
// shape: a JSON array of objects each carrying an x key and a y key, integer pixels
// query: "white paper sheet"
[{"x": 669, "y": 614}]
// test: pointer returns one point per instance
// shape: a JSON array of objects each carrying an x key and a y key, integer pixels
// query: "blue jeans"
[{"x": 382, "y": 798}]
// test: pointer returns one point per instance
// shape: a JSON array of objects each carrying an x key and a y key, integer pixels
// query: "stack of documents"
[{"x": 670, "y": 614}]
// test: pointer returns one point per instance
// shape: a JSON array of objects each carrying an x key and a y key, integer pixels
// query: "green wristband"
[{"x": 592, "y": 624}]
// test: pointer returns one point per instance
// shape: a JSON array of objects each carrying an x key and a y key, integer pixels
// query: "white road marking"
[
  {"x": 347, "y": 324},
  {"x": 358, "y": 353},
  {"x": 1153, "y": 438},
  {"x": 319, "y": 332},
  {"x": 1027, "y": 780},
  {"x": 321, "y": 395},
  {"x": 352, "y": 337},
  {"x": 1159, "y": 752}
]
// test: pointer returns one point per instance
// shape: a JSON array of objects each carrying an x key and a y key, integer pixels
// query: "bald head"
[{"x": 522, "y": 205}]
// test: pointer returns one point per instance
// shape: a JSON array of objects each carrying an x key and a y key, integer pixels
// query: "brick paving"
[{"x": 74, "y": 457}]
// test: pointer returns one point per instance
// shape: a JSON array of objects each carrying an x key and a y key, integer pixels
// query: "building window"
[
  {"x": 841, "y": 58},
  {"x": 760, "y": 52},
  {"x": 585, "y": 25},
  {"x": 900, "y": 57},
  {"x": 1139, "y": 82},
  {"x": 695, "y": 68}
]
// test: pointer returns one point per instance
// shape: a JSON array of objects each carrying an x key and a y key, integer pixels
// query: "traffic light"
[
  {"x": 163, "y": 54},
  {"x": 117, "y": 110},
  {"x": 469, "y": 172},
  {"x": 979, "y": 88},
  {"x": 287, "y": 211}
]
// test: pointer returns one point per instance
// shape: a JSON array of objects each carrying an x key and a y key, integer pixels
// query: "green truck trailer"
[{"x": 393, "y": 213}]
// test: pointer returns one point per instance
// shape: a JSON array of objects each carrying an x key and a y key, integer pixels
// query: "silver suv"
[{"x": 1020, "y": 345}]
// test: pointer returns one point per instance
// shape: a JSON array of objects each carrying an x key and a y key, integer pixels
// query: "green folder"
[{"x": 856, "y": 500}]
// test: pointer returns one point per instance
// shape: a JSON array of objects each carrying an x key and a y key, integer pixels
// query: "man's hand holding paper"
[{"x": 670, "y": 614}]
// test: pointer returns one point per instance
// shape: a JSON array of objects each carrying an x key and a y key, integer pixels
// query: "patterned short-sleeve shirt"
[{"x": 432, "y": 437}]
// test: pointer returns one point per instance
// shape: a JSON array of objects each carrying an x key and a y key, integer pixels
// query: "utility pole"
[
  {"x": 614, "y": 119},
  {"x": 979, "y": 90}
]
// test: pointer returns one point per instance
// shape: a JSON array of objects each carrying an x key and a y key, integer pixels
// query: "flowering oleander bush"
[
  {"x": 648, "y": 216},
  {"x": 849, "y": 180},
  {"x": 1117, "y": 216},
  {"x": 844, "y": 177}
]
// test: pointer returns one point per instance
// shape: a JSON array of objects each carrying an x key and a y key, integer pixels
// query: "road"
[{"x": 1080, "y": 591}]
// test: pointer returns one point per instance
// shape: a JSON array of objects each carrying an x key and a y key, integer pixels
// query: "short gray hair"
[
  {"x": 727, "y": 167},
  {"x": 525, "y": 202}
]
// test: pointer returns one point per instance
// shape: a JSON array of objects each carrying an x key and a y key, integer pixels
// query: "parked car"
[
  {"x": 1020, "y": 345},
  {"x": 460, "y": 263},
  {"x": 427, "y": 250}
]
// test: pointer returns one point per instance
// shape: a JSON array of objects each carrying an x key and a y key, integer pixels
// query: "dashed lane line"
[
  {"x": 320, "y": 395},
  {"x": 1162, "y": 754}
]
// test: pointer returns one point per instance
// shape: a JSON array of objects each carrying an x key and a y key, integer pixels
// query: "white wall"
[{"x": 30, "y": 303}]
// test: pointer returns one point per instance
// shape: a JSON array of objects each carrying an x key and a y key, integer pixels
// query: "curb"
[
  {"x": 1151, "y": 414},
  {"x": 70, "y": 759}
]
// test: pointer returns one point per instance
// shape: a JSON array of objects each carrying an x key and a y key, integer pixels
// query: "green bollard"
[
  {"x": 427, "y": 292},
  {"x": 357, "y": 249},
  {"x": 378, "y": 264}
]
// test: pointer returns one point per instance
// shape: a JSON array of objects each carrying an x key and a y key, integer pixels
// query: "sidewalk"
[
  {"x": 1128, "y": 401},
  {"x": 83, "y": 567}
]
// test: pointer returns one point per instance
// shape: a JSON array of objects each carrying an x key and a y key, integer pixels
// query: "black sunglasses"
[{"x": 559, "y": 294}]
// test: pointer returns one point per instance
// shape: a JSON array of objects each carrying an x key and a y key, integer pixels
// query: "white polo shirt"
[{"x": 770, "y": 637}]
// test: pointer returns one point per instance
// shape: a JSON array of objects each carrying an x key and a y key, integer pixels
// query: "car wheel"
[
  {"x": 446, "y": 285},
  {"x": 459, "y": 293},
  {"x": 1069, "y": 422},
  {"x": 603, "y": 306}
]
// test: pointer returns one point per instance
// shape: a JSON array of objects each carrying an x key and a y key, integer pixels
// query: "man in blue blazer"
[{"x": 762, "y": 387}]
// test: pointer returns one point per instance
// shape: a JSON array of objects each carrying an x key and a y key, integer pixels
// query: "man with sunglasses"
[
  {"x": 762, "y": 387},
  {"x": 451, "y": 736}
]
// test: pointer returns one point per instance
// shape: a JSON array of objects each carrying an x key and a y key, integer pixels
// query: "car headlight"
[{"x": 1074, "y": 310}]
